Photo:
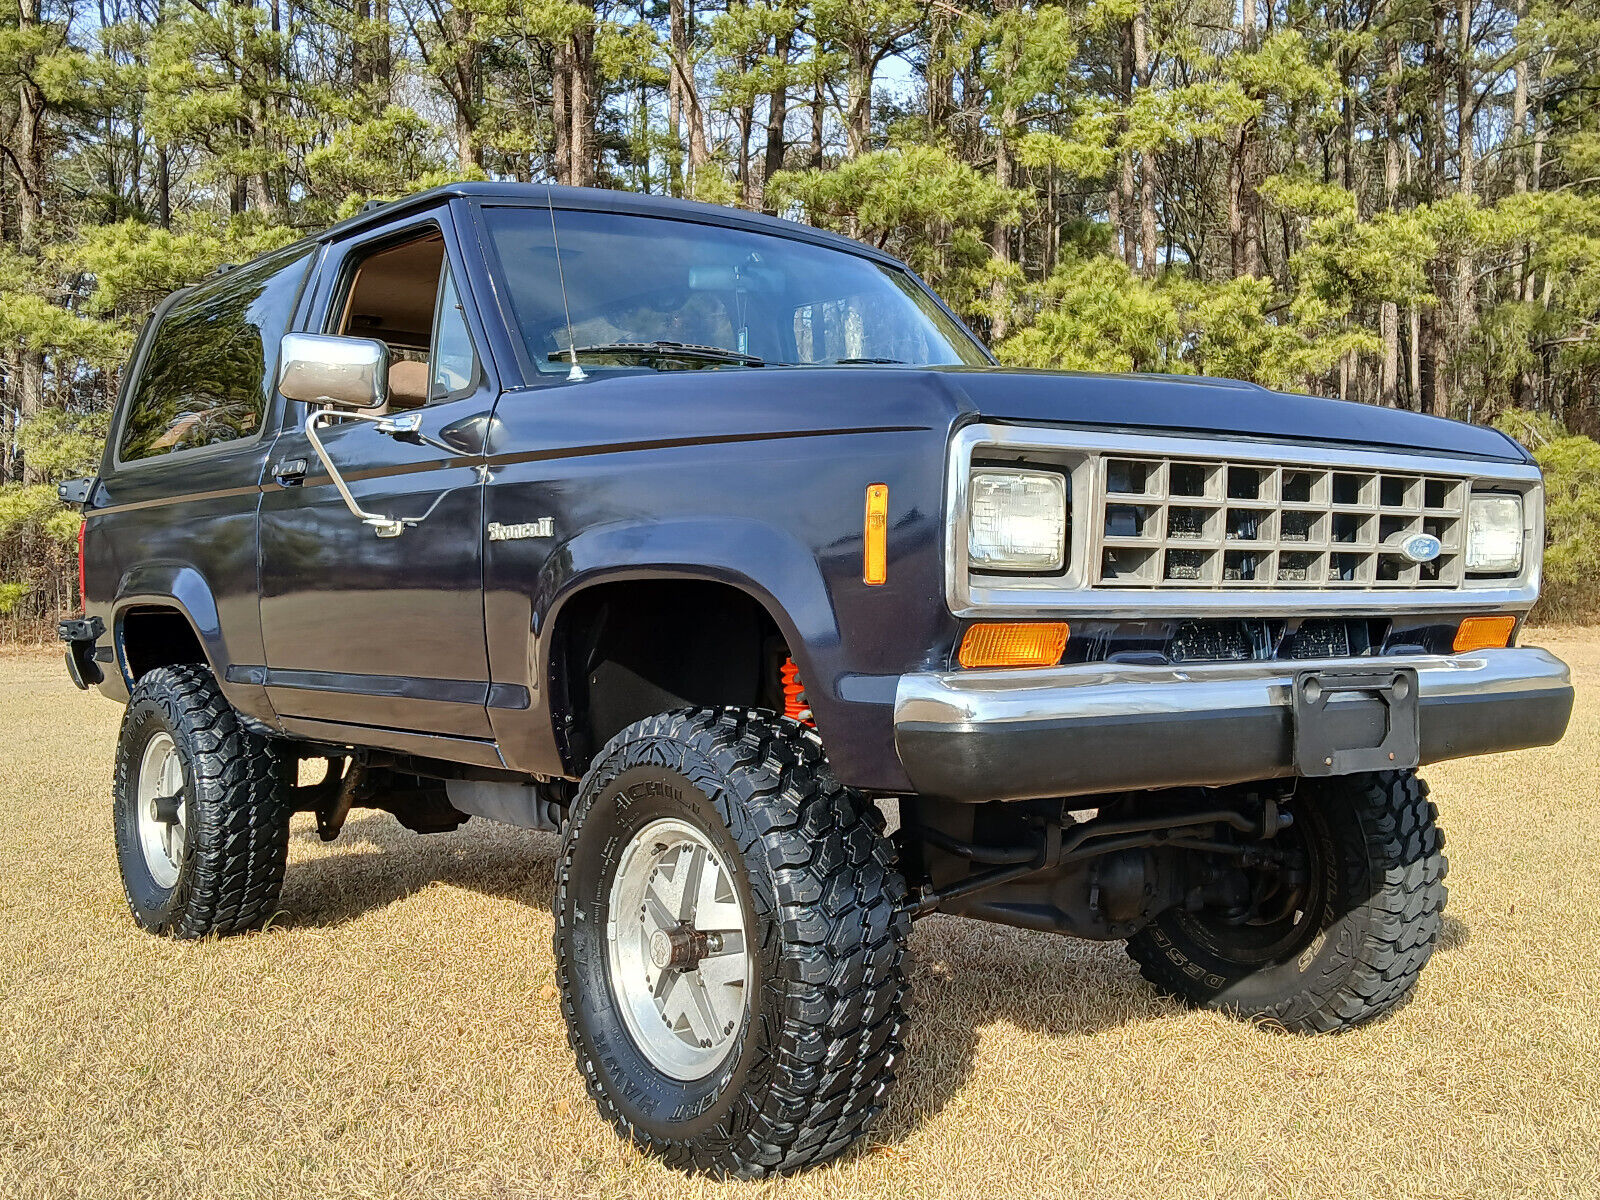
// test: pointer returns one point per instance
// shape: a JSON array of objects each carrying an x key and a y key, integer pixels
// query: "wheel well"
[
  {"x": 158, "y": 637},
  {"x": 626, "y": 651}
]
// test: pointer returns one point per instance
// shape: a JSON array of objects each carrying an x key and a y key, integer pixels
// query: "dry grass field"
[{"x": 395, "y": 1032}]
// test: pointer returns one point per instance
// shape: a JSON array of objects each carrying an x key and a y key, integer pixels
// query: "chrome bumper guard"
[{"x": 1101, "y": 727}]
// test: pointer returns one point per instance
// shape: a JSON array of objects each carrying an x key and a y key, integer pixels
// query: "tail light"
[{"x": 83, "y": 591}]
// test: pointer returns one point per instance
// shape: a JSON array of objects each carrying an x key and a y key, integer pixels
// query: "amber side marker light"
[
  {"x": 1014, "y": 644},
  {"x": 875, "y": 551},
  {"x": 1484, "y": 633}
]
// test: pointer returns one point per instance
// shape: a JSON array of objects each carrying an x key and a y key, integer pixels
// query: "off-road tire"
[
  {"x": 826, "y": 920},
  {"x": 238, "y": 826},
  {"x": 1381, "y": 854}
]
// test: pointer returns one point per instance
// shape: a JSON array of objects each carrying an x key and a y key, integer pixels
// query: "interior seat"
[{"x": 408, "y": 385}]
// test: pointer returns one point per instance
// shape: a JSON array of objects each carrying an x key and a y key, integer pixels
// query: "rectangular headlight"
[
  {"x": 1494, "y": 533},
  {"x": 1017, "y": 521}
]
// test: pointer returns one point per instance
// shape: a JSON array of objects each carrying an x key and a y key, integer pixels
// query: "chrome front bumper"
[{"x": 1098, "y": 727}]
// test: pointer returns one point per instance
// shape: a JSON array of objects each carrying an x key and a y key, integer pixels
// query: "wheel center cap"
[
  {"x": 679, "y": 949},
  {"x": 661, "y": 949}
]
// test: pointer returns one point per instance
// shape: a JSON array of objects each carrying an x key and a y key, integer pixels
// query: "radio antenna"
[{"x": 576, "y": 375}]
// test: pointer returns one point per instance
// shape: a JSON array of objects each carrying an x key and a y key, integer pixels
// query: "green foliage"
[
  {"x": 61, "y": 443},
  {"x": 1571, "y": 466},
  {"x": 1095, "y": 315},
  {"x": 919, "y": 202},
  {"x": 135, "y": 265},
  {"x": 1112, "y": 184},
  {"x": 381, "y": 157},
  {"x": 11, "y": 596},
  {"x": 26, "y": 507}
]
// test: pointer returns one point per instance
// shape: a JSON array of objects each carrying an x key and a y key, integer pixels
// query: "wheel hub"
[
  {"x": 676, "y": 943},
  {"x": 162, "y": 809}
]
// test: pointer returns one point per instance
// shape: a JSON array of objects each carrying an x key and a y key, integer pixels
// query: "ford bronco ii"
[{"x": 706, "y": 540}]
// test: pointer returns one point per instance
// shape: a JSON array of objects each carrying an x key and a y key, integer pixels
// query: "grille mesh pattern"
[{"x": 1182, "y": 523}]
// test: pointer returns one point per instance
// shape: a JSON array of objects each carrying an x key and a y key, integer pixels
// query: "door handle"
[{"x": 290, "y": 472}]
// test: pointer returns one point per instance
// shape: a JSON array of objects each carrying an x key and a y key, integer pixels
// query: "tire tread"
[
  {"x": 1404, "y": 850},
  {"x": 239, "y": 845},
  {"x": 843, "y": 924}
]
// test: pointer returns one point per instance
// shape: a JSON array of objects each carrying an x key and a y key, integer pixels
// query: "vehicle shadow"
[
  {"x": 965, "y": 976},
  {"x": 968, "y": 979},
  {"x": 376, "y": 862}
]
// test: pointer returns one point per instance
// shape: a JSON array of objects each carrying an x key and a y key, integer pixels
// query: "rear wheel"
[
  {"x": 1333, "y": 939},
  {"x": 198, "y": 810},
  {"x": 730, "y": 935}
]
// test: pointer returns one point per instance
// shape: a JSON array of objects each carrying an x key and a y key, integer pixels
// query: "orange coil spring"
[{"x": 795, "y": 704}]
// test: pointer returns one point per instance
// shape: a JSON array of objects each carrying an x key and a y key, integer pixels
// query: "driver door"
[{"x": 386, "y": 633}]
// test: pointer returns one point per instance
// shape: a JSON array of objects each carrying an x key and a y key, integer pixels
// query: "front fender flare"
[{"x": 765, "y": 562}]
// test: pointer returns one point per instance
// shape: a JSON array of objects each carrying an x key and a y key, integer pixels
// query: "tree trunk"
[
  {"x": 1000, "y": 235},
  {"x": 28, "y": 165},
  {"x": 1251, "y": 172},
  {"x": 680, "y": 16},
  {"x": 1466, "y": 296},
  {"x": 747, "y": 120},
  {"x": 468, "y": 152},
  {"x": 561, "y": 115},
  {"x": 817, "y": 114},
  {"x": 1150, "y": 171},
  {"x": 163, "y": 189},
  {"x": 581, "y": 96},
  {"x": 462, "y": 85},
  {"x": 1126, "y": 184},
  {"x": 858, "y": 117},
  {"x": 1389, "y": 313},
  {"x": 1435, "y": 367},
  {"x": 777, "y": 115},
  {"x": 28, "y": 143},
  {"x": 940, "y": 78},
  {"x": 674, "y": 134},
  {"x": 1518, "y": 133}
]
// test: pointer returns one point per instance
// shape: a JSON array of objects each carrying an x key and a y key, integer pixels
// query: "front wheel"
[
  {"x": 1338, "y": 940},
  {"x": 730, "y": 935}
]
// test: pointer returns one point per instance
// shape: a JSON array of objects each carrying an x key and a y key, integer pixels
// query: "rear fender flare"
[{"x": 176, "y": 586}]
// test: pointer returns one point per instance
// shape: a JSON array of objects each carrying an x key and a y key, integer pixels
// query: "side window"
[
  {"x": 455, "y": 363},
  {"x": 207, "y": 376},
  {"x": 402, "y": 293}
]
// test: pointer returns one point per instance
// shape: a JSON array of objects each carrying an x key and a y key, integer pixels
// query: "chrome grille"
[{"x": 1170, "y": 522}]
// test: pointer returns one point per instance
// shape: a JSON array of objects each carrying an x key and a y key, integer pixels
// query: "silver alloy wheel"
[
  {"x": 162, "y": 810},
  {"x": 677, "y": 950}
]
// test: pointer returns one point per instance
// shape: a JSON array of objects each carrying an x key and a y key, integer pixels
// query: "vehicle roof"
[{"x": 538, "y": 195}]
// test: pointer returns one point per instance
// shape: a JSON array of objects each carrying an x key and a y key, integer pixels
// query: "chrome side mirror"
[{"x": 321, "y": 369}]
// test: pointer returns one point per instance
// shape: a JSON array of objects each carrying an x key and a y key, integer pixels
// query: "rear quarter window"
[{"x": 207, "y": 375}]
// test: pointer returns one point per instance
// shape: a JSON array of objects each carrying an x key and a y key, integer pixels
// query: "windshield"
[{"x": 740, "y": 299}]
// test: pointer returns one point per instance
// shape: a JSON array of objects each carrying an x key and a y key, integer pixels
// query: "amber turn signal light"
[
  {"x": 1484, "y": 633},
  {"x": 875, "y": 553},
  {"x": 1014, "y": 644}
]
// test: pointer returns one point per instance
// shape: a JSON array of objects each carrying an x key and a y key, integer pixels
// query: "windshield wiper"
[
  {"x": 852, "y": 362},
  {"x": 665, "y": 349}
]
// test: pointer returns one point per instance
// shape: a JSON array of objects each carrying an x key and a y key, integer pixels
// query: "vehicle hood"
[{"x": 1193, "y": 404}]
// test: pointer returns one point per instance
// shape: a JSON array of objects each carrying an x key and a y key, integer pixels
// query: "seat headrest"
[{"x": 408, "y": 384}]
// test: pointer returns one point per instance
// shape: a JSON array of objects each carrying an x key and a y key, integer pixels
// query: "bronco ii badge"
[{"x": 542, "y": 528}]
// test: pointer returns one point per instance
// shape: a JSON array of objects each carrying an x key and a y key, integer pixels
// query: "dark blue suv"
[{"x": 712, "y": 541}]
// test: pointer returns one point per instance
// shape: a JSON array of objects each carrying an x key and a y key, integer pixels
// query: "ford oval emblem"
[{"x": 1420, "y": 548}]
